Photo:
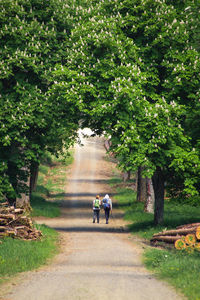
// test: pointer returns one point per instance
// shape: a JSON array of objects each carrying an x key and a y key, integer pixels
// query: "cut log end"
[{"x": 180, "y": 244}]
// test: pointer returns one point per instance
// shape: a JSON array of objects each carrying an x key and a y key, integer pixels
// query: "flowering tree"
[
  {"x": 129, "y": 68},
  {"x": 33, "y": 39}
]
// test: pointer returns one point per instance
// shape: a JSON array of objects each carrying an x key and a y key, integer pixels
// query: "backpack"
[
  {"x": 96, "y": 203},
  {"x": 106, "y": 203}
]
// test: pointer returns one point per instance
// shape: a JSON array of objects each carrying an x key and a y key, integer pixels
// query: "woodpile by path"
[
  {"x": 15, "y": 223},
  {"x": 183, "y": 237}
]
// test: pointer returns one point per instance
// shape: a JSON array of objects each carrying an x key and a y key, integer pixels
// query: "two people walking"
[{"x": 97, "y": 204}]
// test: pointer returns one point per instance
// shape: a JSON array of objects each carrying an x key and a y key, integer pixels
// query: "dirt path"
[{"x": 97, "y": 261}]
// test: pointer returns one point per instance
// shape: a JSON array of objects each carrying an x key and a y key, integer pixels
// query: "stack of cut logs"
[
  {"x": 14, "y": 223},
  {"x": 188, "y": 234}
]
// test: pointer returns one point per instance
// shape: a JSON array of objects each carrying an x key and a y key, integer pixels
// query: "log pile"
[
  {"x": 14, "y": 223},
  {"x": 184, "y": 237}
]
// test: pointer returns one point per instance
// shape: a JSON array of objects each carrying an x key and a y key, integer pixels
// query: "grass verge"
[
  {"x": 180, "y": 269},
  {"x": 45, "y": 201},
  {"x": 19, "y": 256}
]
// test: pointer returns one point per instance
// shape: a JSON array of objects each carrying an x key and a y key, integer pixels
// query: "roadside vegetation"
[
  {"x": 45, "y": 200},
  {"x": 19, "y": 256},
  {"x": 106, "y": 65},
  {"x": 127, "y": 69},
  {"x": 179, "y": 268}
]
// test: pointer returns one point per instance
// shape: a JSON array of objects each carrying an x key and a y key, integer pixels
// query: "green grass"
[
  {"x": 65, "y": 159},
  {"x": 44, "y": 208},
  {"x": 44, "y": 169},
  {"x": 180, "y": 269},
  {"x": 45, "y": 200},
  {"x": 142, "y": 223},
  {"x": 174, "y": 215},
  {"x": 19, "y": 256}
]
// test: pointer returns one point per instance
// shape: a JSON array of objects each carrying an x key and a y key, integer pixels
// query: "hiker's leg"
[
  {"x": 98, "y": 211},
  {"x": 94, "y": 217},
  {"x": 107, "y": 215}
]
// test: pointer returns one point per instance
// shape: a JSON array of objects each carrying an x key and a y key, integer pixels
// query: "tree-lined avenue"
[{"x": 97, "y": 261}]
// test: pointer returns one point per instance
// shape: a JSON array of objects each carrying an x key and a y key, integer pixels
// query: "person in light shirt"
[{"x": 107, "y": 205}]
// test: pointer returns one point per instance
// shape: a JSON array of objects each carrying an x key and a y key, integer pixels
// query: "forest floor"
[{"x": 96, "y": 261}]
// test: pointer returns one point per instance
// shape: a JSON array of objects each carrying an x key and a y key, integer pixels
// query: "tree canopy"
[
  {"x": 33, "y": 40},
  {"x": 126, "y": 68},
  {"x": 134, "y": 70}
]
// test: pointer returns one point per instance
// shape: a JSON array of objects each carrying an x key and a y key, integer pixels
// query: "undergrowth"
[
  {"x": 50, "y": 185},
  {"x": 180, "y": 269},
  {"x": 18, "y": 255}
]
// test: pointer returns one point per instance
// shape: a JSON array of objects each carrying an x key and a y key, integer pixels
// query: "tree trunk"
[
  {"x": 126, "y": 176},
  {"x": 107, "y": 145},
  {"x": 141, "y": 187},
  {"x": 24, "y": 200},
  {"x": 158, "y": 185},
  {"x": 150, "y": 200},
  {"x": 33, "y": 176}
]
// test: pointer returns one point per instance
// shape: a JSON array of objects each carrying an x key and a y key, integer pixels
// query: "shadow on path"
[
  {"x": 92, "y": 229},
  {"x": 85, "y": 180},
  {"x": 87, "y": 215},
  {"x": 79, "y": 195}
]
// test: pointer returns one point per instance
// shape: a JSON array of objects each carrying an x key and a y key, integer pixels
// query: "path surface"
[{"x": 98, "y": 261}]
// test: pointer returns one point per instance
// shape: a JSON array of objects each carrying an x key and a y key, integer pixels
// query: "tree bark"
[
  {"x": 33, "y": 176},
  {"x": 24, "y": 200},
  {"x": 141, "y": 187},
  {"x": 158, "y": 185},
  {"x": 176, "y": 232},
  {"x": 150, "y": 200},
  {"x": 167, "y": 239},
  {"x": 188, "y": 226},
  {"x": 126, "y": 176},
  {"x": 107, "y": 145}
]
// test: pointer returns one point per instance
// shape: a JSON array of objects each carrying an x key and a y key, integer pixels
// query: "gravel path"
[{"x": 97, "y": 261}]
